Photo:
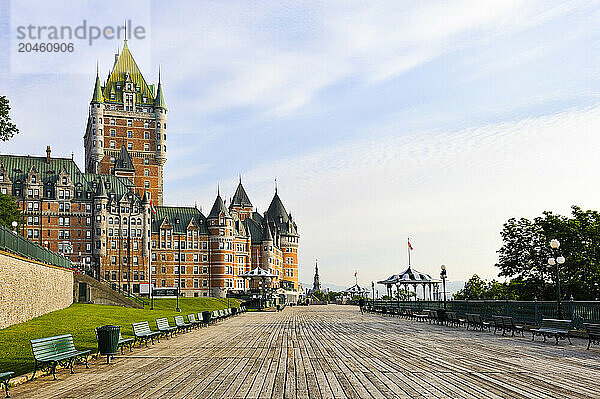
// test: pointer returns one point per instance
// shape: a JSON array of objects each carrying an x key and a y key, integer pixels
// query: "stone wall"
[{"x": 29, "y": 289}]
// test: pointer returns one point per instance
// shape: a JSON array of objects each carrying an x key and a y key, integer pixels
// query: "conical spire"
[
  {"x": 97, "y": 97},
  {"x": 159, "y": 100},
  {"x": 267, "y": 236},
  {"x": 218, "y": 208},
  {"x": 101, "y": 191},
  {"x": 240, "y": 198},
  {"x": 124, "y": 161}
]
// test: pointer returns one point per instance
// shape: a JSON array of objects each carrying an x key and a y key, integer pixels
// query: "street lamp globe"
[
  {"x": 551, "y": 262},
  {"x": 560, "y": 260},
  {"x": 554, "y": 243},
  {"x": 14, "y": 224}
]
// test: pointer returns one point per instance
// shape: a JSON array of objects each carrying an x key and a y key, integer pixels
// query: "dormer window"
[
  {"x": 1, "y": 177},
  {"x": 112, "y": 97},
  {"x": 144, "y": 99},
  {"x": 118, "y": 87},
  {"x": 64, "y": 180},
  {"x": 33, "y": 179}
]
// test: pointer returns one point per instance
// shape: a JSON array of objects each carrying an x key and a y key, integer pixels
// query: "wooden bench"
[
  {"x": 143, "y": 333},
  {"x": 453, "y": 319},
  {"x": 164, "y": 327},
  {"x": 508, "y": 324},
  {"x": 192, "y": 320},
  {"x": 593, "y": 331},
  {"x": 122, "y": 342},
  {"x": 559, "y": 329},
  {"x": 215, "y": 316},
  {"x": 53, "y": 351},
  {"x": 181, "y": 324},
  {"x": 476, "y": 321},
  {"x": 4, "y": 380}
]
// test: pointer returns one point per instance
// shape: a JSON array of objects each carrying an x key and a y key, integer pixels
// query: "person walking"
[{"x": 361, "y": 304}]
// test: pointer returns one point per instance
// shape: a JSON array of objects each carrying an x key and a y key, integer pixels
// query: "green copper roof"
[
  {"x": 218, "y": 208},
  {"x": 185, "y": 214},
  {"x": 17, "y": 167},
  {"x": 240, "y": 198},
  {"x": 124, "y": 161},
  {"x": 97, "y": 97},
  {"x": 116, "y": 185},
  {"x": 127, "y": 65},
  {"x": 159, "y": 101}
]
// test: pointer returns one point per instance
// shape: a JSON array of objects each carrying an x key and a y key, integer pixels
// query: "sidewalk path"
[{"x": 334, "y": 352}]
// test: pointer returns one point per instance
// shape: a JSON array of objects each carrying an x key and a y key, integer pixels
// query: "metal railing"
[
  {"x": 115, "y": 287},
  {"x": 528, "y": 312},
  {"x": 16, "y": 244}
]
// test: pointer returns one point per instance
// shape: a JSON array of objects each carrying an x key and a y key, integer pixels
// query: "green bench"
[
  {"x": 4, "y": 380},
  {"x": 593, "y": 331},
  {"x": 192, "y": 320},
  {"x": 559, "y": 329},
  {"x": 143, "y": 333},
  {"x": 453, "y": 319},
  {"x": 506, "y": 324},
  {"x": 476, "y": 321},
  {"x": 181, "y": 324},
  {"x": 164, "y": 327},
  {"x": 53, "y": 351}
]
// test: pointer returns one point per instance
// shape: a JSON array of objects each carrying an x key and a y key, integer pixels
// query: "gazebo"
[
  {"x": 262, "y": 276},
  {"x": 413, "y": 278},
  {"x": 355, "y": 290}
]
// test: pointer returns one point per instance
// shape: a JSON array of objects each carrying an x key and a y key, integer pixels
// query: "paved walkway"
[{"x": 333, "y": 351}]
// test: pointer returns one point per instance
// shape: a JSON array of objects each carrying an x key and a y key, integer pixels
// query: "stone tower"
[{"x": 127, "y": 112}]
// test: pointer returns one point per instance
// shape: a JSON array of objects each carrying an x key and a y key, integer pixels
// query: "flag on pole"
[
  {"x": 409, "y": 246},
  {"x": 152, "y": 207},
  {"x": 355, "y": 274}
]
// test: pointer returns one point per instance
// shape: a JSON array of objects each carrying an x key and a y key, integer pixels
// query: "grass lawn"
[{"x": 80, "y": 321}]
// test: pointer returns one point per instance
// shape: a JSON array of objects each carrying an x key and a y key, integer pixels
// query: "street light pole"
[
  {"x": 373, "y": 288},
  {"x": 556, "y": 261},
  {"x": 443, "y": 276}
]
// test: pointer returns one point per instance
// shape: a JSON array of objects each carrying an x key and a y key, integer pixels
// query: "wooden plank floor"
[{"x": 334, "y": 352}]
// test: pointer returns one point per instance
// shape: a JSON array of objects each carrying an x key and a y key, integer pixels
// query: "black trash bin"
[
  {"x": 234, "y": 311},
  {"x": 108, "y": 340},
  {"x": 441, "y": 313},
  {"x": 206, "y": 316}
]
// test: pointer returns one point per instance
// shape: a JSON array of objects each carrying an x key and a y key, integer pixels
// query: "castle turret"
[
  {"x": 160, "y": 113},
  {"x": 93, "y": 139},
  {"x": 100, "y": 210}
]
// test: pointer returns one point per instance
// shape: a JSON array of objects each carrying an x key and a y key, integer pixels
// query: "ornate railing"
[{"x": 529, "y": 312}]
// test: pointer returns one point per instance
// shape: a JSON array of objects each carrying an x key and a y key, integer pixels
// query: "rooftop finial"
[
  {"x": 218, "y": 190},
  {"x": 159, "y": 74},
  {"x": 96, "y": 68},
  {"x": 125, "y": 40},
  {"x": 275, "y": 185},
  {"x": 240, "y": 178}
]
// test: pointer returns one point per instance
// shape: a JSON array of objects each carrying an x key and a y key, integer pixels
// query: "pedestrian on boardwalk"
[{"x": 361, "y": 304}]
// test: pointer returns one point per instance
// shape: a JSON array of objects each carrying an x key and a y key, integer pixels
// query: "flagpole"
[{"x": 408, "y": 249}]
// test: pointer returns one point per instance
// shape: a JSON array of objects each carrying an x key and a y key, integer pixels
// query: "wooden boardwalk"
[{"x": 334, "y": 352}]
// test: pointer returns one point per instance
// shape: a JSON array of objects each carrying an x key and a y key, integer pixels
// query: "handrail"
[{"x": 115, "y": 287}]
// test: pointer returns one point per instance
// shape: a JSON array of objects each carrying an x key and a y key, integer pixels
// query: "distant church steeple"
[{"x": 317, "y": 281}]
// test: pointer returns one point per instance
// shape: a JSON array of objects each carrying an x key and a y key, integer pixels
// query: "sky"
[{"x": 385, "y": 120}]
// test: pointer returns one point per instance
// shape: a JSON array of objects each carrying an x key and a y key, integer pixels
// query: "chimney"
[{"x": 48, "y": 154}]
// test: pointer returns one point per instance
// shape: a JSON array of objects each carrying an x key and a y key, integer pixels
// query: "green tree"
[
  {"x": 9, "y": 211},
  {"x": 524, "y": 255},
  {"x": 475, "y": 288},
  {"x": 7, "y": 128}
]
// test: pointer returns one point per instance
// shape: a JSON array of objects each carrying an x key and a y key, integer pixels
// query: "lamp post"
[
  {"x": 373, "y": 288},
  {"x": 177, "y": 221},
  {"x": 443, "y": 276},
  {"x": 556, "y": 261},
  {"x": 14, "y": 225}
]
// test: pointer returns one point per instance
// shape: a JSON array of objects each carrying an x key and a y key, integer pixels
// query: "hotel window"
[
  {"x": 129, "y": 134},
  {"x": 112, "y": 121},
  {"x": 163, "y": 283},
  {"x": 146, "y": 147},
  {"x": 113, "y": 133},
  {"x": 146, "y": 161},
  {"x": 147, "y": 135},
  {"x": 129, "y": 146},
  {"x": 112, "y": 145},
  {"x": 146, "y": 172},
  {"x": 147, "y": 184},
  {"x": 146, "y": 124},
  {"x": 129, "y": 122}
]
